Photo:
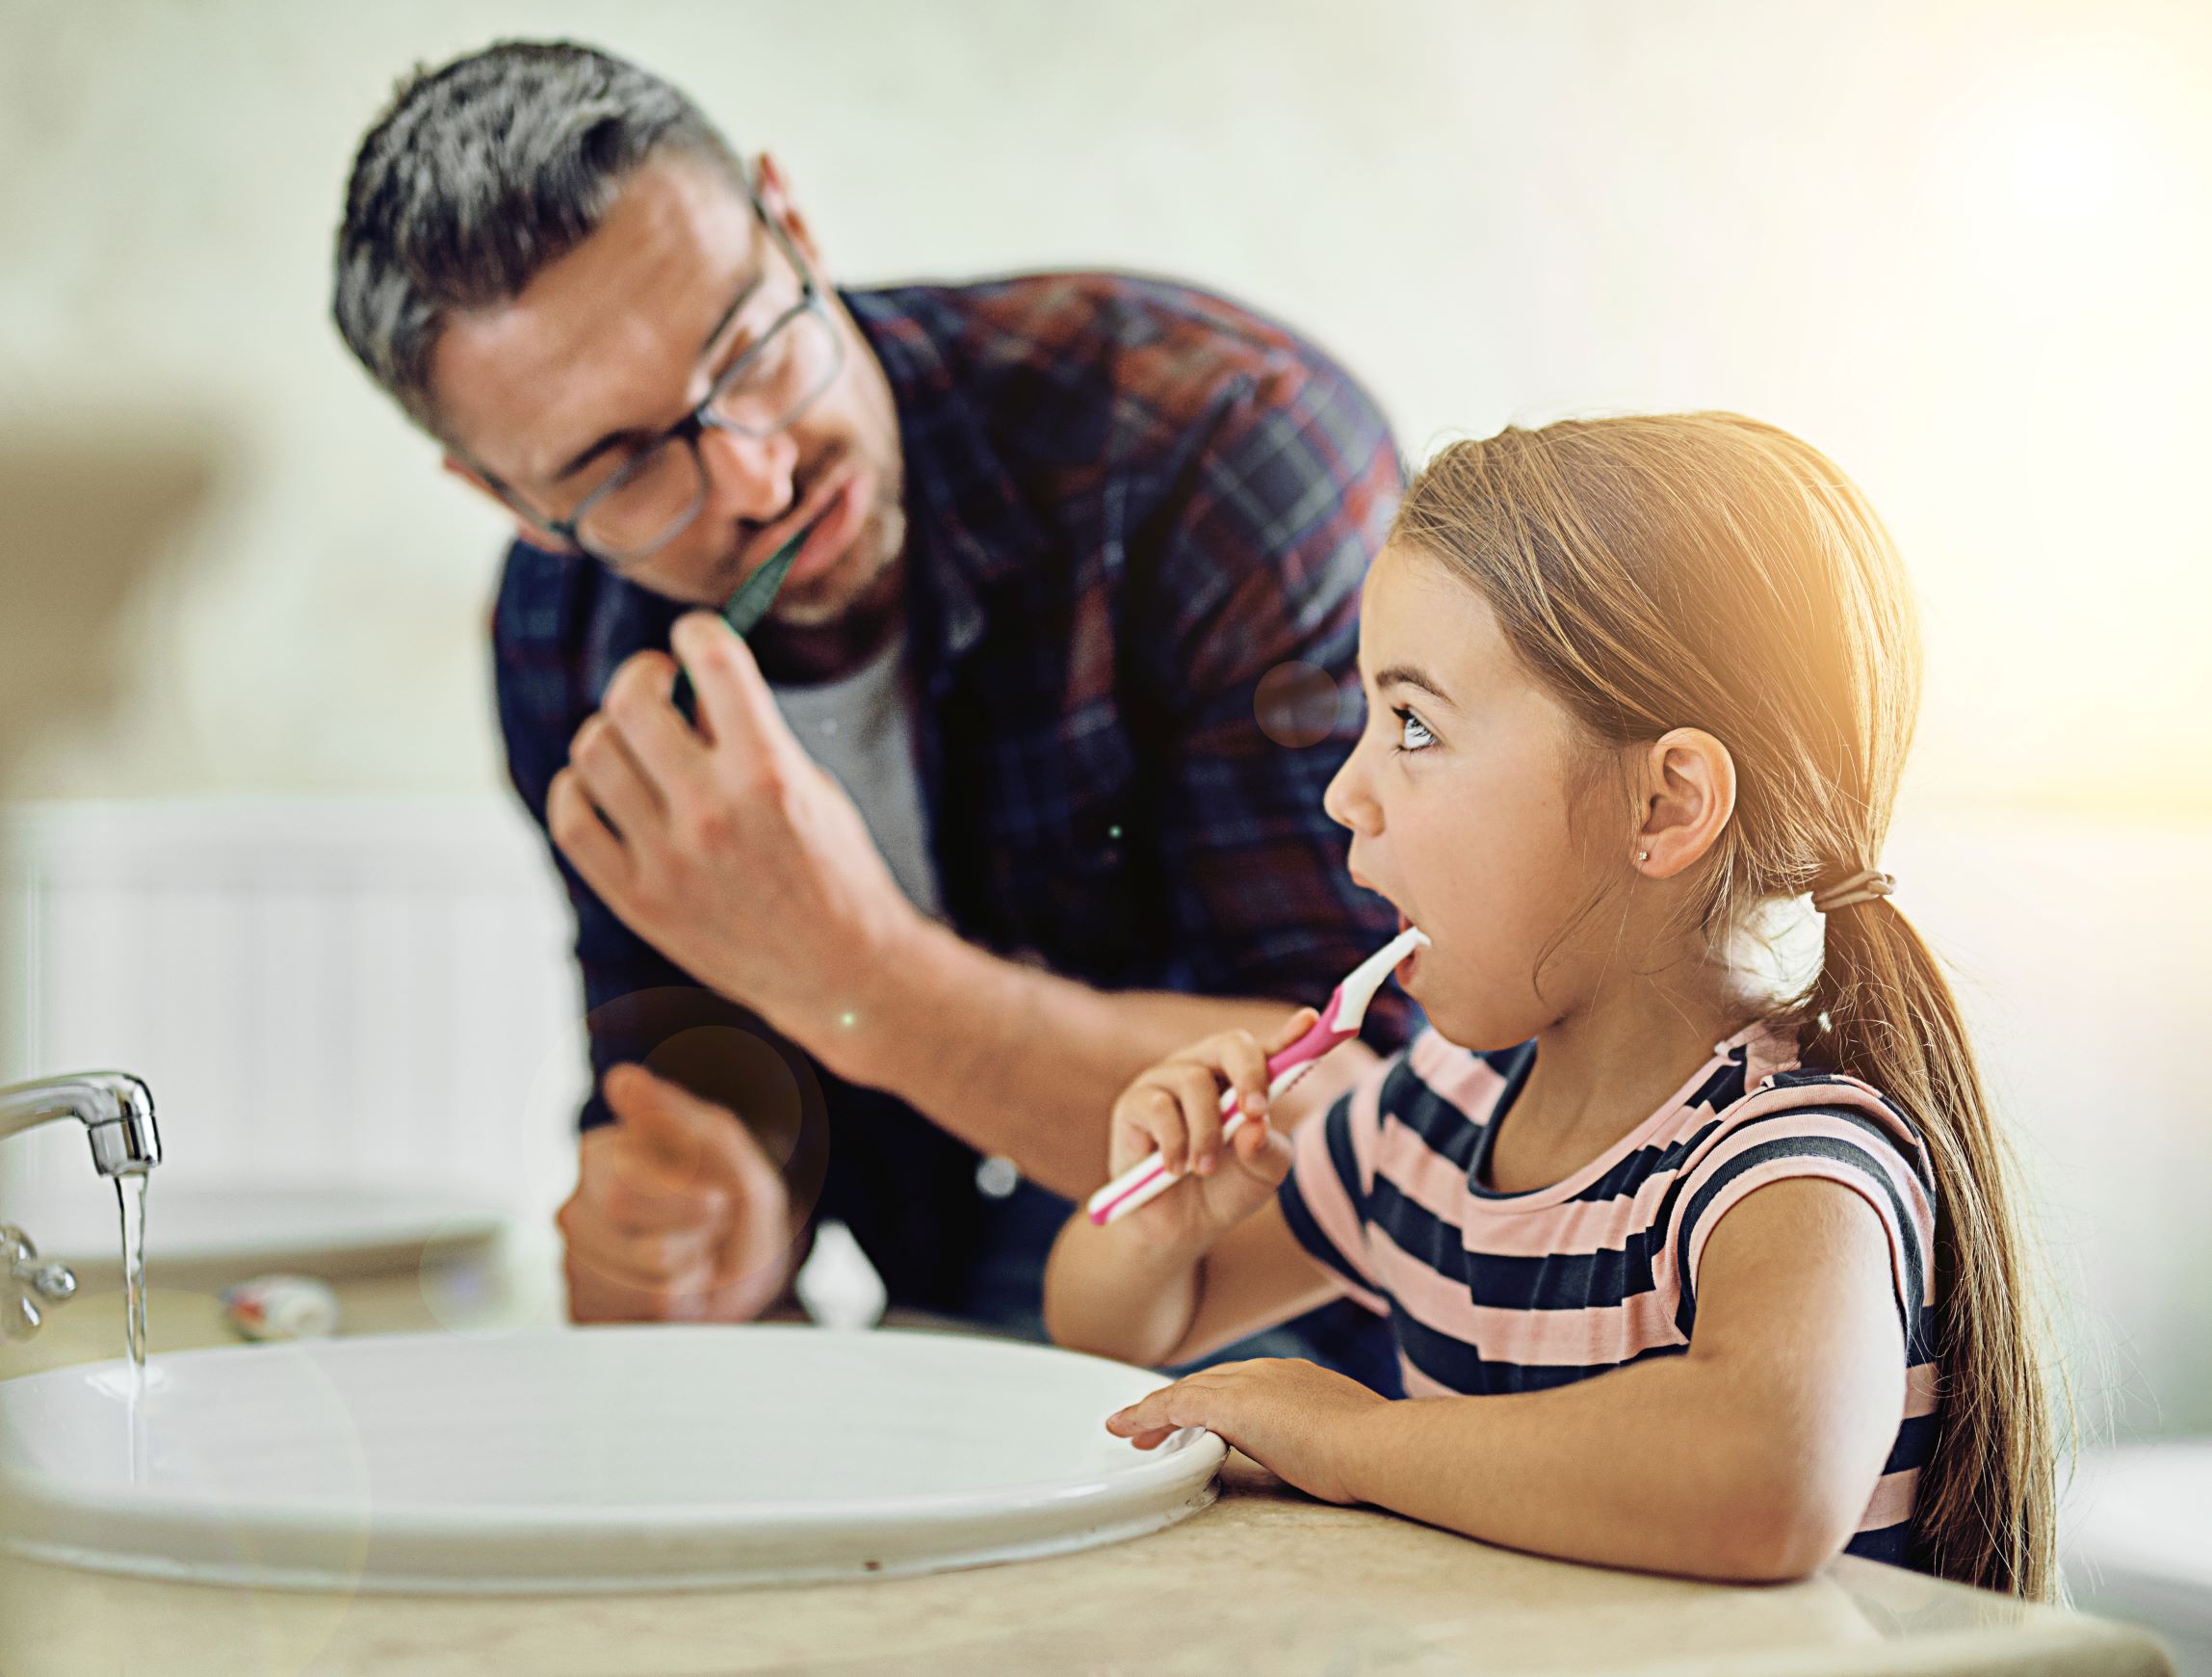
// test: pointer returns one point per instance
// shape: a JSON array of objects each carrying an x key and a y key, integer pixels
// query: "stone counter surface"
[{"x": 1266, "y": 1580}]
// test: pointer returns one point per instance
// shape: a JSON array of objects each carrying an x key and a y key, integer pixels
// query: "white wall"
[
  {"x": 1957, "y": 244},
  {"x": 319, "y": 991},
  {"x": 1960, "y": 246}
]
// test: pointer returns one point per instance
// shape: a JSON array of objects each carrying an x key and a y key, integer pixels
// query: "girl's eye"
[{"x": 1413, "y": 732}]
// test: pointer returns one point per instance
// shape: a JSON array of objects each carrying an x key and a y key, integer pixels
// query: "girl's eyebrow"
[{"x": 1412, "y": 675}]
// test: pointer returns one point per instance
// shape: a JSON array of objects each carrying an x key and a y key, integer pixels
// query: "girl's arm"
[
  {"x": 1751, "y": 1456},
  {"x": 1115, "y": 1294},
  {"x": 1209, "y": 1260}
]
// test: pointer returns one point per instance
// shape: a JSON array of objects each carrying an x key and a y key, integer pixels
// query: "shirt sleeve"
[
  {"x": 1256, "y": 580},
  {"x": 1866, "y": 1147},
  {"x": 1324, "y": 1199}
]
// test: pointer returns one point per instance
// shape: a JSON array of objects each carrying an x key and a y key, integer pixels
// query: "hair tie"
[{"x": 1863, "y": 886}]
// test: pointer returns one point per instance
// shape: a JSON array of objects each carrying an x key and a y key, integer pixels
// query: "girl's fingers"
[
  {"x": 1157, "y": 1415},
  {"x": 1177, "y": 1105},
  {"x": 1266, "y": 1156},
  {"x": 1245, "y": 1066},
  {"x": 1154, "y": 1115},
  {"x": 1148, "y": 1415},
  {"x": 1250, "y": 1142},
  {"x": 1293, "y": 1028},
  {"x": 1199, "y": 1093}
]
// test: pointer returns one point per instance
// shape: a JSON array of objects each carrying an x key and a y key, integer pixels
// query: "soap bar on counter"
[{"x": 281, "y": 1307}]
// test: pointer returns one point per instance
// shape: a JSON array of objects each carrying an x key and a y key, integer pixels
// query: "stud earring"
[{"x": 1642, "y": 856}]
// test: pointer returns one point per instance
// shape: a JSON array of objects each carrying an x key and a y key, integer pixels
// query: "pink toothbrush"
[{"x": 1339, "y": 1022}]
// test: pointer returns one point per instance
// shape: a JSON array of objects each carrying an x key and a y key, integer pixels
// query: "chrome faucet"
[{"x": 117, "y": 1112}]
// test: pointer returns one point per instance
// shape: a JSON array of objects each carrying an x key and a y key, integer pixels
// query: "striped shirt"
[{"x": 1489, "y": 1292}]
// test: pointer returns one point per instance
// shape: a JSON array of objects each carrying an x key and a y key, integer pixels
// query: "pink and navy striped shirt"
[{"x": 1490, "y": 1292}]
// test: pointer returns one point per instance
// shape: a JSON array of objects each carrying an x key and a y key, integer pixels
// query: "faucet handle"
[{"x": 30, "y": 1284}]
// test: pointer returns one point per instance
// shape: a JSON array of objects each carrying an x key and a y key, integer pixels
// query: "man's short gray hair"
[{"x": 479, "y": 175}]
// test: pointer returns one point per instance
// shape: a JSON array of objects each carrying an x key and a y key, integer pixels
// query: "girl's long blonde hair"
[{"x": 1706, "y": 570}]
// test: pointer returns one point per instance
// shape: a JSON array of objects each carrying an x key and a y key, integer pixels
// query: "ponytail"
[{"x": 1882, "y": 1011}]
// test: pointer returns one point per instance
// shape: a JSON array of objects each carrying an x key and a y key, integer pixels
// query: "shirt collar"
[{"x": 968, "y": 527}]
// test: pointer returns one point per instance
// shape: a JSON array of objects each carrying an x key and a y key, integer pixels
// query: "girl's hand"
[
  {"x": 1176, "y": 1108},
  {"x": 1290, "y": 1417}
]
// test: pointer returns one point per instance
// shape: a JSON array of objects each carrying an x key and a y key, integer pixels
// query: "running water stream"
[
  {"x": 131, "y": 1204},
  {"x": 131, "y": 1200}
]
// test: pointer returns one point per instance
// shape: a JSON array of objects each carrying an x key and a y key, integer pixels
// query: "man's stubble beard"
[{"x": 879, "y": 547}]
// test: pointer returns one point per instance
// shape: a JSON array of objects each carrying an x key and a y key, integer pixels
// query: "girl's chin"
[{"x": 1478, "y": 1030}]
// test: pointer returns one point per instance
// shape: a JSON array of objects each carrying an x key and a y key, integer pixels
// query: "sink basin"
[{"x": 560, "y": 1460}]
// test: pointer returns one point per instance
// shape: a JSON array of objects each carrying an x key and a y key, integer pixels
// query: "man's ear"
[
  {"x": 523, "y": 527},
  {"x": 1688, "y": 796},
  {"x": 776, "y": 199}
]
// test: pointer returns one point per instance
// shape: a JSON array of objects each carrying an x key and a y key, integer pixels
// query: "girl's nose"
[
  {"x": 749, "y": 477},
  {"x": 1348, "y": 801}
]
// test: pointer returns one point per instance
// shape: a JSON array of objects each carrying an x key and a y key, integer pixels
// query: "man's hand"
[
  {"x": 731, "y": 852},
  {"x": 677, "y": 1213}
]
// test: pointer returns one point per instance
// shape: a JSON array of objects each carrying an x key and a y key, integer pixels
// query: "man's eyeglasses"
[{"x": 658, "y": 493}]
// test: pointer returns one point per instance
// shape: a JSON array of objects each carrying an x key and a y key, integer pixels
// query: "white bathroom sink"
[{"x": 596, "y": 1459}]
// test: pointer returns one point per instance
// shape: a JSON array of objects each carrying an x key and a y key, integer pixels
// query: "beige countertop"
[{"x": 1265, "y": 1580}]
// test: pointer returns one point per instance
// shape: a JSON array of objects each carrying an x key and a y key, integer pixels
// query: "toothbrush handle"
[
  {"x": 1339, "y": 1022},
  {"x": 1149, "y": 1177},
  {"x": 1320, "y": 1036}
]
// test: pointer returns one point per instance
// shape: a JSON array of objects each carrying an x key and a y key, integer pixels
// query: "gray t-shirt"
[{"x": 861, "y": 728}]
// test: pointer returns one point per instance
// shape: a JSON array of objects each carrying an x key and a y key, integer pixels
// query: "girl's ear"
[{"x": 1688, "y": 796}]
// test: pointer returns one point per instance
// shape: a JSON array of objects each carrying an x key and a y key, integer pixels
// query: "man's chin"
[
  {"x": 805, "y": 615},
  {"x": 856, "y": 583}
]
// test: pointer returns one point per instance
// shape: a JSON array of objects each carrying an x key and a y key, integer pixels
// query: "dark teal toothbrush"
[{"x": 744, "y": 611}]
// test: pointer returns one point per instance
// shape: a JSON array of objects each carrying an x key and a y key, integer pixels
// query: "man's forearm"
[{"x": 1017, "y": 1061}]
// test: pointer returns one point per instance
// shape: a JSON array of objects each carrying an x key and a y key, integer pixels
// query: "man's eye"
[
  {"x": 1413, "y": 732},
  {"x": 739, "y": 347}
]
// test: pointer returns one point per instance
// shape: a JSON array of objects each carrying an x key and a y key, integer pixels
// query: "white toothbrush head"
[{"x": 1349, "y": 1010}]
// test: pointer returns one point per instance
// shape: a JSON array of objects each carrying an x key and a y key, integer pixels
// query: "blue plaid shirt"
[{"x": 1129, "y": 502}]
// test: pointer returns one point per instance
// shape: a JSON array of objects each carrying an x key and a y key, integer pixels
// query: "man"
[{"x": 1062, "y": 536}]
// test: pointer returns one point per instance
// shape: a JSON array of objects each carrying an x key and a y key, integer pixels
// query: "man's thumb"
[{"x": 692, "y": 1137}]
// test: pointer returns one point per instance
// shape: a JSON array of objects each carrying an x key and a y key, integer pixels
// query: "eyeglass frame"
[{"x": 812, "y": 299}]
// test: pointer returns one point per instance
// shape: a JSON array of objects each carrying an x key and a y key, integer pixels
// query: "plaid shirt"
[{"x": 1127, "y": 503}]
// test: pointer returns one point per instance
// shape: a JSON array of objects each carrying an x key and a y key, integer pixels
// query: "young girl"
[{"x": 1686, "y": 1275}]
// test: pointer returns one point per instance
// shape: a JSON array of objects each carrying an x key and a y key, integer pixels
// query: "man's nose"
[{"x": 748, "y": 477}]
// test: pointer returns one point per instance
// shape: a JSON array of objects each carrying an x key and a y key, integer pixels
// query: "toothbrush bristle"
[{"x": 1349, "y": 1003}]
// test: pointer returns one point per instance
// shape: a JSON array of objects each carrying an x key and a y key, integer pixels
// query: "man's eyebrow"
[
  {"x": 1411, "y": 675},
  {"x": 631, "y": 434},
  {"x": 737, "y": 304}
]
